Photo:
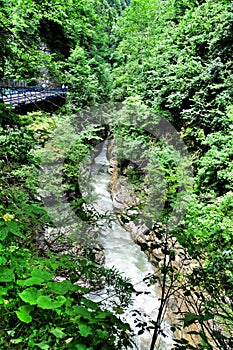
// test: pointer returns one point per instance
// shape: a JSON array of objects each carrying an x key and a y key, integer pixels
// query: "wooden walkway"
[{"x": 16, "y": 98}]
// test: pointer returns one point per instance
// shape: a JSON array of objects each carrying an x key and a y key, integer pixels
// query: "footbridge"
[{"x": 17, "y": 97}]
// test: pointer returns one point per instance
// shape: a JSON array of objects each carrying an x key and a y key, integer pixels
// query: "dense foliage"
[
  {"x": 176, "y": 58},
  {"x": 44, "y": 280},
  {"x": 160, "y": 59}
]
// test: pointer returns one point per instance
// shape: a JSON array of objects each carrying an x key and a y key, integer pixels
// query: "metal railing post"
[{"x": 18, "y": 98}]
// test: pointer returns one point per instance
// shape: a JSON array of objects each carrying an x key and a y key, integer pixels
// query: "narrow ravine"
[{"x": 123, "y": 254}]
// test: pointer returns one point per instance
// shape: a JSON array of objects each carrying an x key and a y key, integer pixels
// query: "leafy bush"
[
  {"x": 39, "y": 312},
  {"x": 43, "y": 293},
  {"x": 215, "y": 171}
]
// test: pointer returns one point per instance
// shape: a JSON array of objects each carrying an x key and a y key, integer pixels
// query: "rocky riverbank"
[
  {"x": 126, "y": 205},
  {"x": 157, "y": 243}
]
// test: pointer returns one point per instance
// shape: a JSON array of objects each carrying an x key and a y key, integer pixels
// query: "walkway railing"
[{"x": 22, "y": 96}]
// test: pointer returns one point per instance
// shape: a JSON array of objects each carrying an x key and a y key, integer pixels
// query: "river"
[{"x": 123, "y": 254}]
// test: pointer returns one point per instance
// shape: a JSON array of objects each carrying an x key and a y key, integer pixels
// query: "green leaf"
[
  {"x": 23, "y": 313},
  {"x": 30, "y": 282},
  {"x": 82, "y": 311},
  {"x": 3, "y": 291},
  {"x": 43, "y": 346},
  {"x": 6, "y": 275},
  {"x": 30, "y": 295},
  {"x": 90, "y": 304},
  {"x": 62, "y": 287},
  {"x": 189, "y": 319},
  {"x": 44, "y": 275},
  {"x": 208, "y": 317},
  {"x": 3, "y": 260},
  {"x": 17, "y": 341},
  {"x": 45, "y": 302},
  {"x": 84, "y": 329},
  {"x": 13, "y": 227},
  {"x": 58, "y": 332},
  {"x": 102, "y": 334},
  {"x": 81, "y": 347},
  {"x": 3, "y": 233}
]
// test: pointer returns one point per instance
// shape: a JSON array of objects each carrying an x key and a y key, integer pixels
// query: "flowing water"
[{"x": 123, "y": 254}]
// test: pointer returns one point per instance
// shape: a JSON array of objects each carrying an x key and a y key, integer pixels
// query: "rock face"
[
  {"x": 119, "y": 186},
  {"x": 125, "y": 203},
  {"x": 158, "y": 246}
]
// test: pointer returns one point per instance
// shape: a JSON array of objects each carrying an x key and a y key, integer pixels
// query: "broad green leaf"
[
  {"x": 17, "y": 340},
  {"x": 6, "y": 275},
  {"x": 58, "y": 333},
  {"x": 43, "y": 346},
  {"x": 3, "y": 291},
  {"x": 30, "y": 282},
  {"x": 102, "y": 315},
  {"x": 90, "y": 304},
  {"x": 3, "y": 233},
  {"x": 23, "y": 313},
  {"x": 14, "y": 228},
  {"x": 2, "y": 300},
  {"x": 61, "y": 287},
  {"x": 80, "y": 347},
  {"x": 30, "y": 295},
  {"x": 3, "y": 260},
  {"x": 45, "y": 302},
  {"x": 82, "y": 311},
  {"x": 46, "y": 276},
  {"x": 84, "y": 329}
]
